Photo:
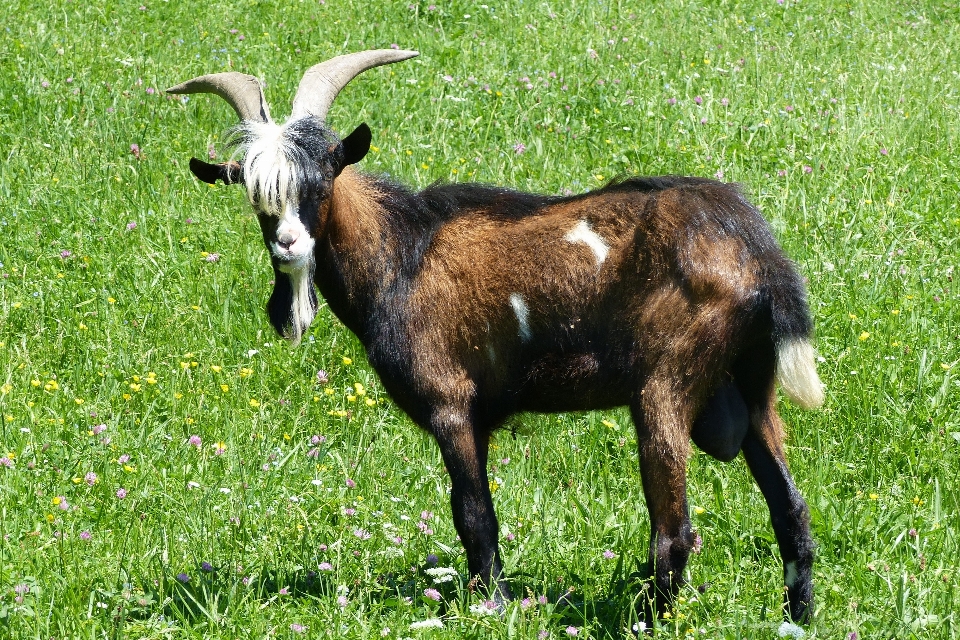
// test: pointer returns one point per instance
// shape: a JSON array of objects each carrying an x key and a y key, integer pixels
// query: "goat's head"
[{"x": 289, "y": 169}]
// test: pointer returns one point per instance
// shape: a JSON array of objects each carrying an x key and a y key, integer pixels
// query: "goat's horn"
[
  {"x": 242, "y": 91},
  {"x": 322, "y": 82}
]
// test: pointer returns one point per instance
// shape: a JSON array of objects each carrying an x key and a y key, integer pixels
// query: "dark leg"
[
  {"x": 763, "y": 450},
  {"x": 663, "y": 433},
  {"x": 464, "y": 451}
]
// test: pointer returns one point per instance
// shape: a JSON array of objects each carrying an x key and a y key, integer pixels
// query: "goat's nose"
[{"x": 286, "y": 239}]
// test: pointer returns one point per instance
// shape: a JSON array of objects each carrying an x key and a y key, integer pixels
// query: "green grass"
[{"x": 841, "y": 120}]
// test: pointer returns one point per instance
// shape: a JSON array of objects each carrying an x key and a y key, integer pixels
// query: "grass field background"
[{"x": 171, "y": 469}]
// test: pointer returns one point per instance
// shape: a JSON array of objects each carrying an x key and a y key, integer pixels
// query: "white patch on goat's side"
[
  {"x": 797, "y": 372},
  {"x": 271, "y": 178},
  {"x": 583, "y": 233},
  {"x": 792, "y": 575},
  {"x": 523, "y": 315}
]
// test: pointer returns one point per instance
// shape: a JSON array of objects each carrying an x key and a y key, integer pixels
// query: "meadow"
[{"x": 170, "y": 468}]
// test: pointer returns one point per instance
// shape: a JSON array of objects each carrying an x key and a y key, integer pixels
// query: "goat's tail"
[{"x": 796, "y": 370}]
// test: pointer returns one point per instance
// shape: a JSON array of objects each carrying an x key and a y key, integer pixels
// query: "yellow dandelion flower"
[
  {"x": 56, "y": 500},
  {"x": 874, "y": 496},
  {"x": 254, "y": 403},
  {"x": 17, "y": 305},
  {"x": 246, "y": 372},
  {"x": 184, "y": 365},
  {"x": 328, "y": 391},
  {"x": 494, "y": 485},
  {"x": 945, "y": 366},
  {"x": 286, "y": 436},
  {"x": 359, "y": 388},
  {"x": 193, "y": 364},
  {"x": 128, "y": 468},
  {"x": 135, "y": 386},
  {"x": 864, "y": 336},
  {"x": 347, "y": 361},
  {"x": 50, "y": 517},
  {"x": 215, "y": 368},
  {"x": 370, "y": 402},
  {"x": 82, "y": 327},
  {"x": 127, "y": 396},
  {"x": 5, "y": 389},
  {"x": 895, "y": 312},
  {"x": 225, "y": 388},
  {"x": 853, "y": 316},
  {"x": 111, "y": 300},
  {"x": 35, "y": 383},
  {"x": 699, "y": 511},
  {"x": 316, "y": 398},
  {"x": 177, "y": 395},
  {"x": 351, "y": 398},
  {"x": 79, "y": 401}
]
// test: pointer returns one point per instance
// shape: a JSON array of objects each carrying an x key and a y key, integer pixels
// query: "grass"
[{"x": 305, "y": 509}]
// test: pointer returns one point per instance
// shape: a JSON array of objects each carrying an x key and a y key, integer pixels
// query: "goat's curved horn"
[
  {"x": 242, "y": 91},
  {"x": 322, "y": 82}
]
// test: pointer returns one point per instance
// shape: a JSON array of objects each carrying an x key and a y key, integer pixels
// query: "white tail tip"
[{"x": 797, "y": 373}]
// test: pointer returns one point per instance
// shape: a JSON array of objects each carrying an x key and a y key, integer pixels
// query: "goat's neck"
[{"x": 358, "y": 263}]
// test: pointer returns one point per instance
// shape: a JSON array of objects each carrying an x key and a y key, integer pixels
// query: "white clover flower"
[{"x": 429, "y": 623}]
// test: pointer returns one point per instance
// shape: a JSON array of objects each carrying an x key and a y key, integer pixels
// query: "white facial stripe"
[
  {"x": 523, "y": 315},
  {"x": 583, "y": 233},
  {"x": 293, "y": 242}
]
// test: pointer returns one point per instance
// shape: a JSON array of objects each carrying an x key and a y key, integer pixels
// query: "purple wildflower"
[
  {"x": 432, "y": 559},
  {"x": 572, "y": 631},
  {"x": 542, "y": 599},
  {"x": 45, "y": 84},
  {"x": 298, "y": 628},
  {"x": 433, "y": 594},
  {"x": 135, "y": 150},
  {"x": 151, "y": 91},
  {"x": 98, "y": 429},
  {"x": 609, "y": 555},
  {"x": 526, "y": 603},
  {"x": 322, "y": 378},
  {"x": 699, "y": 101},
  {"x": 206, "y": 567},
  {"x": 519, "y": 148},
  {"x": 724, "y": 102},
  {"x": 313, "y": 453},
  {"x": 195, "y": 441},
  {"x": 342, "y": 601},
  {"x": 325, "y": 566},
  {"x": 85, "y": 535},
  {"x": 65, "y": 254},
  {"x": 315, "y": 440},
  {"x": 883, "y": 152},
  {"x": 6, "y": 462},
  {"x": 807, "y": 168},
  {"x": 350, "y": 483},
  {"x": 131, "y": 226},
  {"x": 212, "y": 257},
  {"x": 121, "y": 493},
  {"x": 90, "y": 478},
  {"x": 124, "y": 459},
  {"x": 671, "y": 101},
  {"x": 184, "y": 578},
  {"x": 211, "y": 151}
]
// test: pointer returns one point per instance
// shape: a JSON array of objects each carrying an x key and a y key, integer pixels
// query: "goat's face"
[{"x": 288, "y": 171}]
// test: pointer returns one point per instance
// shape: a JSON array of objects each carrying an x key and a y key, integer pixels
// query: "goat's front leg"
[
  {"x": 664, "y": 445},
  {"x": 464, "y": 449}
]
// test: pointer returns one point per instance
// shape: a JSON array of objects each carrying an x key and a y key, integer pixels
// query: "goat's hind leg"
[
  {"x": 763, "y": 450},
  {"x": 662, "y": 422}
]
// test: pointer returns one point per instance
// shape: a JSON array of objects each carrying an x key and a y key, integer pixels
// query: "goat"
[{"x": 476, "y": 302}]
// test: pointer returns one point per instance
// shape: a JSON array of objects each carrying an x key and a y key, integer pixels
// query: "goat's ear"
[
  {"x": 229, "y": 172},
  {"x": 357, "y": 144}
]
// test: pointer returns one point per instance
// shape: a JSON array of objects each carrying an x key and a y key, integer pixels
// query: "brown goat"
[{"x": 669, "y": 295}]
